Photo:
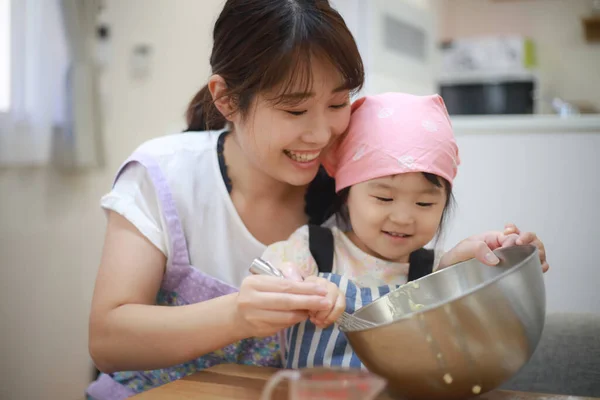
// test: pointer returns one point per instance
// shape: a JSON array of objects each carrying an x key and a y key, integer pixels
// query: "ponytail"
[{"x": 202, "y": 114}]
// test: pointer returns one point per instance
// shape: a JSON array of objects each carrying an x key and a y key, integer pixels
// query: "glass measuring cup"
[{"x": 326, "y": 383}]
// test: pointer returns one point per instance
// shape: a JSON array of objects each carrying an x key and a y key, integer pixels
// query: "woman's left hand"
[{"x": 481, "y": 247}]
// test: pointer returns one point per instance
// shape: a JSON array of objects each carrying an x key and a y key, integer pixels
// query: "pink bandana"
[{"x": 394, "y": 133}]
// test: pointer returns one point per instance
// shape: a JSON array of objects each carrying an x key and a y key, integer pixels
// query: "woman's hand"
[
  {"x": 265, "y": 305},
  {"x": 321, "y": 318},
  {"x": 481, "y": 247}
]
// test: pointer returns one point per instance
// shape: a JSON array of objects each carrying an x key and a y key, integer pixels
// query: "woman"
[
  {"x": 283, "y": 72},
  {"x": 188, "y": 213}
]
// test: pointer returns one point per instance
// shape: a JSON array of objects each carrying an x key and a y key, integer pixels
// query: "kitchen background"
[{"x": 528, "y": 69}]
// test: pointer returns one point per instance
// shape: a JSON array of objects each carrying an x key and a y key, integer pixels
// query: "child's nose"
[{"x": 401, "y": 217}]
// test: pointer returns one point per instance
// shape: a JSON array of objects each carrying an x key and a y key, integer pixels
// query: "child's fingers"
[
  {"x": 332, "y": 289},
  {"x": 321, "y": 315},
  {"x": 468, "y": 249},
  {"x": 542, "y": 253},
  {"x": 545, "y": 267},
  {"x": 484, "y": 254},
  {"x": 511, "y": 228},
  {"x": 338, "y": 309},
  {"x": 531, "y": 238},
  {"x": 325, "y": 318},
  {"x": 509, "y": 240},
  {"x": 526, "y": 238}
]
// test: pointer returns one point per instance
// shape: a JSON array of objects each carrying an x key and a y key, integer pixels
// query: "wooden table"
[{"x": 230, "y": 381}]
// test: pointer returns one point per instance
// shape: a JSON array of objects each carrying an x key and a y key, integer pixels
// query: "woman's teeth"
[{"x": 302, "y": 157}]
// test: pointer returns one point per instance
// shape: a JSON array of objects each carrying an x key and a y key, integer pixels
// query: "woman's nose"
[{"x": 320, "y": 132}]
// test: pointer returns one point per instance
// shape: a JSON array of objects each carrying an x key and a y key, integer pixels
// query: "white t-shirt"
[{"x": 219, "y": 244}]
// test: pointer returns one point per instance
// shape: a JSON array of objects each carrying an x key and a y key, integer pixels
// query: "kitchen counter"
[{"x": 467, "y": 124}]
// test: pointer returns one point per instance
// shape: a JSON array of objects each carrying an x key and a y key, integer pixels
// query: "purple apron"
[{"x": 182, "y": 284}]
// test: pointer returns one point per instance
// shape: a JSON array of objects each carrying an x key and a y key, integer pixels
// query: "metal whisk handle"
[{"x": 262, "y": 267}]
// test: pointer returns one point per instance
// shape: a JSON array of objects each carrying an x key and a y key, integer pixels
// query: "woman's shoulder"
[
  {"x": 172, "y": 172},
  {"x": 180, "y": 164},
  {"x": 178, "y": 144},
  {"x": 185, "y": 160}
]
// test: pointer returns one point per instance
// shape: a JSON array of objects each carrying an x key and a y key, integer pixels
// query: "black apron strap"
[
  {"x": 320, "y": 242},
  {"x": 421, "y": 264}
]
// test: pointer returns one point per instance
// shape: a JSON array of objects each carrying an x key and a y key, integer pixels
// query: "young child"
[{"x": 394, "y": 171}]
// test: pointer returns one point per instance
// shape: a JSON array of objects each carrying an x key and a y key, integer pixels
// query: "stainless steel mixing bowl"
[{"x": 458, "y": 332}]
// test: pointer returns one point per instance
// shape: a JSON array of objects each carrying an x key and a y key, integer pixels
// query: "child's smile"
[{"x": 396, "y": 215}]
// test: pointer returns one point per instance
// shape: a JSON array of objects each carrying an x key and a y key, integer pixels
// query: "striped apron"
[{"x": 310, "y": 346}]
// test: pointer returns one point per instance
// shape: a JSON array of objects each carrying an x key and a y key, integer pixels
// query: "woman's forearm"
[{"x": 142, "y": 337}]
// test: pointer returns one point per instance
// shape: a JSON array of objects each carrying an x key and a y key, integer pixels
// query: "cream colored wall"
[
  {"x": 568, "y": 66},
  {"x": 51, "y": 227}
]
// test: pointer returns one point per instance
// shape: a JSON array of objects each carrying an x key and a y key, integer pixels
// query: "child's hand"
[
  {"x": 324, "y": 318},
  {"x": 481, "y": 247},
  {"x": 511, "y": 230}
]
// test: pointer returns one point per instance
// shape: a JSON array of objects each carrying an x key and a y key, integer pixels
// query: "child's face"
[{"x": 393, "y": 216}]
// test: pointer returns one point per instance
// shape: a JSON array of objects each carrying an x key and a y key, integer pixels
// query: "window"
[
  {"x": 5, "y": 57},
  {"x": 33, "y": 63},
  {"x": 48, "y": 83}
]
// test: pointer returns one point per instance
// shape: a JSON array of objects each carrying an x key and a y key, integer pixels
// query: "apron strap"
[
  {"x": 180, "y": 256},
  {"x": 421, "y": 263},
  {"x": 320, "y": 242}
]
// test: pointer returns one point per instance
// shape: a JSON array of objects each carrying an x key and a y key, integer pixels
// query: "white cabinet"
[{"x": 397, "y": 40}]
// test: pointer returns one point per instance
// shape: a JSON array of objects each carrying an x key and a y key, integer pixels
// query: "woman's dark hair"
[
  {"x": 339, "y": 204},
  {"x": 262, "y": 45}
]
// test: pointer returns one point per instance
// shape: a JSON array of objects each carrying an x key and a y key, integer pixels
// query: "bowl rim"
[{"x": 498, "y": 252}]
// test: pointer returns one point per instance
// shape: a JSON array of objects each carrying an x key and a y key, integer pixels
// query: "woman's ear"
[
  {"x": 222, "y": 101},
  {"x": 359, "y": 102}
]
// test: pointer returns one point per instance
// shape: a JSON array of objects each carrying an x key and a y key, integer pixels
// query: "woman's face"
[{"x": 285, "y": 141}]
